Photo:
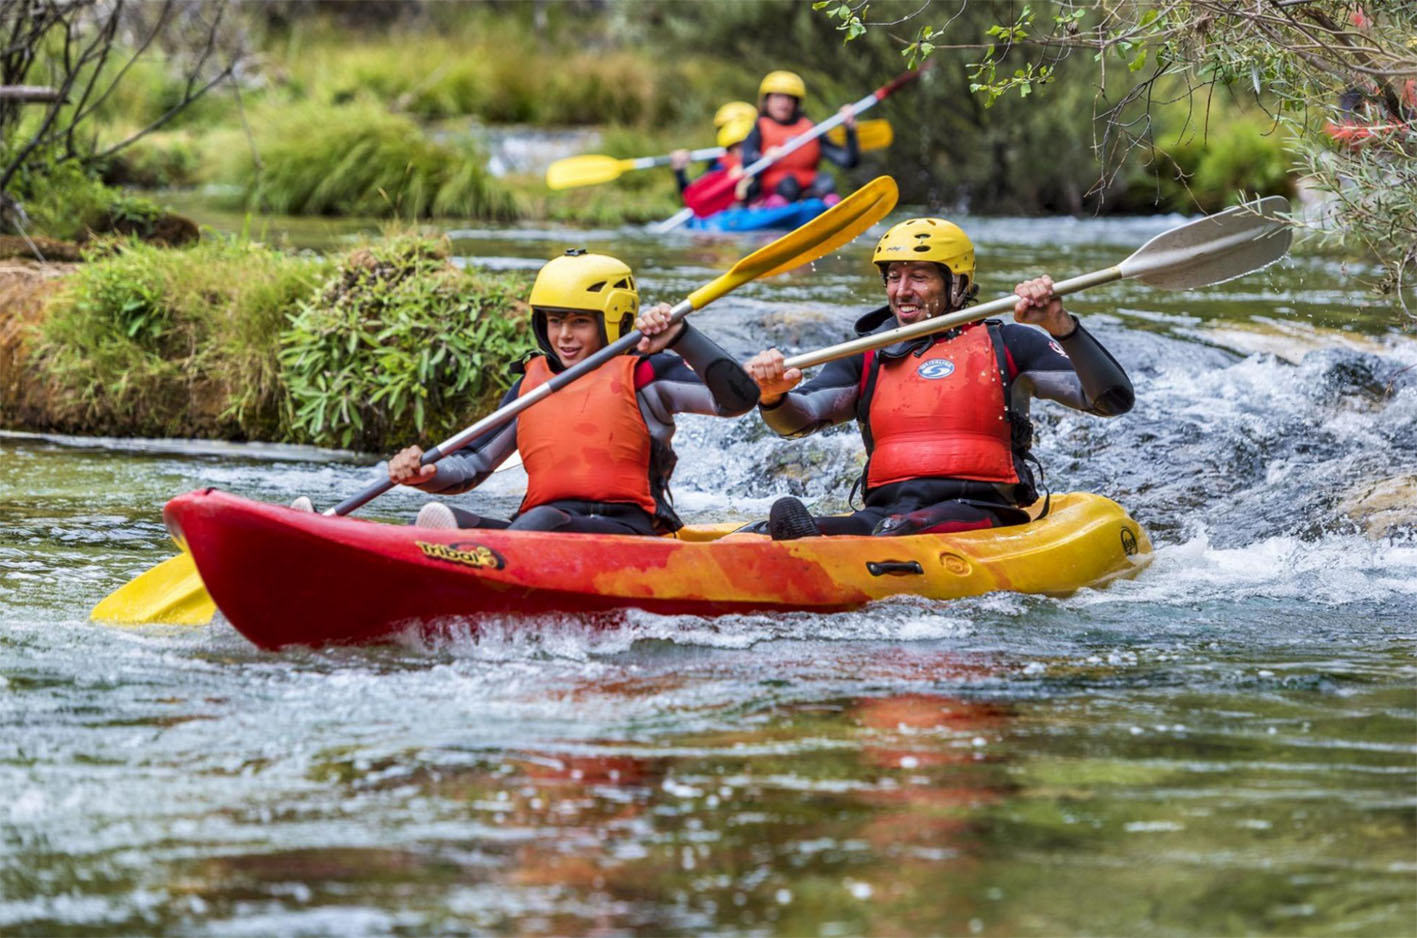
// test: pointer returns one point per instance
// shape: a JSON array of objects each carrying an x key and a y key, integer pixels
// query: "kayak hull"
[
  {"x": 792, "y": 215},
  {"x": 285, "y": 577}
]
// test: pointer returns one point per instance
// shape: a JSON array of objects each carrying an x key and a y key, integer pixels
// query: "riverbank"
[{"x": 235, "y": 340}]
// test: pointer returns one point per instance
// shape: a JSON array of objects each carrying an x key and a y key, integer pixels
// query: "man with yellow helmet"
[
  {"x": 944, "y": 416},
  {"x": 597, "y": 452},
  {"x": 779, "y": 119}
]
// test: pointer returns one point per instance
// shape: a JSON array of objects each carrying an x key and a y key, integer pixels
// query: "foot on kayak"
[
  {"x": 302, "y": 503},
  {"x": 436, "y": 515},
  {"x": 789, "y": 519}
]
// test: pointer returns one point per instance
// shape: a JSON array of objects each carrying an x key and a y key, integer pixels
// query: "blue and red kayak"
[{"x": 741, "y": 218}]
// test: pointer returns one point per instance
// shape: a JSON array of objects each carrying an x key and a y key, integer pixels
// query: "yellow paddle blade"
[
  {"x": 837, "y": 226},
  {"x": 171, "y": 593},
  {"x": 589, "y": 170},
  {"x": 870, "y": 135}
]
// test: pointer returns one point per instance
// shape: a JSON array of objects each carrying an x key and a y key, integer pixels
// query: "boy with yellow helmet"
[
  {"x": 597, "y": 453},
  {"x": 779, "y": 119},
  {"x": 944, "y": 416}
]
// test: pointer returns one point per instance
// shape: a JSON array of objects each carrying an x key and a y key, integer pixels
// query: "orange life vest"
[
  {"x": 801, "y": 162},
  {"x": 941, "y": 415},
  {"x": 589, "y": 441}
]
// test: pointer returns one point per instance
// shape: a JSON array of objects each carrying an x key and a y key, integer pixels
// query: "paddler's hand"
[
  {"x": 659, "y": 333},
  {"x": 1038, "y": 306},
  {"x": 405, "y": 470},
  {"x": 773, "y": 379},
  {"x": 678, "y": 159},
  {"x": 848, "y": 117}
]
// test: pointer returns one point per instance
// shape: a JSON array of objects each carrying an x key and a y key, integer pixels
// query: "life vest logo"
[
  {"x": 469, "y": 555},
  {"x": 935, "y": 369}
]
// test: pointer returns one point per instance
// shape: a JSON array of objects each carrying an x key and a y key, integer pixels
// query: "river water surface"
[{"x": 1225, "y": 745}]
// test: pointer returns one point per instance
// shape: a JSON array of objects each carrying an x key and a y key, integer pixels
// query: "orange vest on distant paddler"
[
  {"x": 588, "y": 441},
  {"x": 801, "y": 162},
  {"x": 942, "y": 415}
]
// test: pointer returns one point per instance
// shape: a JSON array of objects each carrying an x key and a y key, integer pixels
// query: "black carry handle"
[{"x": 893, "y": 568}]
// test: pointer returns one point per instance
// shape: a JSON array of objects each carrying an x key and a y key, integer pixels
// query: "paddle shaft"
[
  {"x": 695, "y": 156},
  {"x": 504, "y": 414},
  {"x": 940, "y": 323}
]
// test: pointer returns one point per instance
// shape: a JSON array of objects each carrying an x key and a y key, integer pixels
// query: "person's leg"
[
  {"x": 948, "y": 517},
  {"x": 789, "y": 519},
  {"x": 585, "y": 518},
  {"x": 789, "y": 188},
  {"x": 441, "y": 516},
  {"x": 823, "y": 185}
]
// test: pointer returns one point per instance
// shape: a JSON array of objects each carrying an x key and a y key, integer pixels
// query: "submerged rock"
[{"x": 1385, "y": 507}]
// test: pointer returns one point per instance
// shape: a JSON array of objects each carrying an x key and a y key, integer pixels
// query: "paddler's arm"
[
  {"x": 792, "y": 411},
  {"x": 462, "y": 470},
  {"x": 844, "y": 156},
  {"x": 730, "y": 392},
  {"x": 1074, "y": 369}
]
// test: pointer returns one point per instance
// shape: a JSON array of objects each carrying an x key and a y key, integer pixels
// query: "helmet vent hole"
[
  {"x": 595, "y": 287},
  {"x": 922, "y": 249},
  {"x": 623, "y": 285}
]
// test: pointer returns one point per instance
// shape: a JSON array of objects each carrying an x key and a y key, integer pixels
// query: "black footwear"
[{"x": 789, "y": 519}]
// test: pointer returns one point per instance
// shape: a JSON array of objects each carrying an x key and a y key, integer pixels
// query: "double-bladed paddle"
[
  {"x": 1210, "y": 250},
  {"x": 592, "y": 169},
  {"x": 172, "y": 592}
]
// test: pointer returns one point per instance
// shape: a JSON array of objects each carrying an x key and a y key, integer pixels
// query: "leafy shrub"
[{"x": 400, "y": 345}]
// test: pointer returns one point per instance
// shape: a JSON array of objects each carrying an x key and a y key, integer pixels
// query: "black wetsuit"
[{"x": 1075, "y": 371}]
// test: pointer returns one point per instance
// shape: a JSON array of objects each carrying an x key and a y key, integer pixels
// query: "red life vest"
[
  {"x": 589, "y": 441},
  {"x": 941, "y": 415},
  {"x": 801, "y": 162}
]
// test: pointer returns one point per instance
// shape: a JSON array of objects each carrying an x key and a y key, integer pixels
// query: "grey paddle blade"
[{"x": 1216, "y": 248}]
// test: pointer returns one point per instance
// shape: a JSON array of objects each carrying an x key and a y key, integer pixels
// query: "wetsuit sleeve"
[
  {"x": 1075, "y": 371},
  {"x": 824, "y": 401},
  {"x": 749, "y": 152},
  {"x": 470, "y": 466},
  {"x": 844, "y": 156},
  {"x": 681, "y": 179},
  {"x": 701, "y": 379}
]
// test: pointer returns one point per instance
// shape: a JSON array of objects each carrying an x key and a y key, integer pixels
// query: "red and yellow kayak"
[{"x": 285, "y": 577}]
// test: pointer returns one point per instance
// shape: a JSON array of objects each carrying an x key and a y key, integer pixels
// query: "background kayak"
[{"x": 758, "y": 219}]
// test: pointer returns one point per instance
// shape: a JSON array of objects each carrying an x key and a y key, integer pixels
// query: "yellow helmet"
[
  {"x": 782, "y": 83},
  {"x": 593, "y": 283},
  {"x": 735, "y": 132},
  {"x": 734, "y": 111},
  {"x": 927, "y": 239}
]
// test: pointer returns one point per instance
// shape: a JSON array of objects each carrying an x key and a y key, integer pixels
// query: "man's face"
[
  {"x": 915, "y": 290},
  {"x": 573, "y": 334}
]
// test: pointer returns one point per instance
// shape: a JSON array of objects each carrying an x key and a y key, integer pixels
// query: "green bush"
[
  {"x": 359, "y": 160},
  {"x": 1206, "y": 168},
  {"x": 154, "y": 341},
  {"x": 399, "y": 346}
]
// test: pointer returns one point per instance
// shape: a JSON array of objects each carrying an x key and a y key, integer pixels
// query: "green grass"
[{"x": 152, "y": 341}]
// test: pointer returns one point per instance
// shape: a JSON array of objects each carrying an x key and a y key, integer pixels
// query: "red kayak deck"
[{"x": 285, "y": 577}]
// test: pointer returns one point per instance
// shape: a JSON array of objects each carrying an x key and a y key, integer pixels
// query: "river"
[{"x": 1226, "y": 745}]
